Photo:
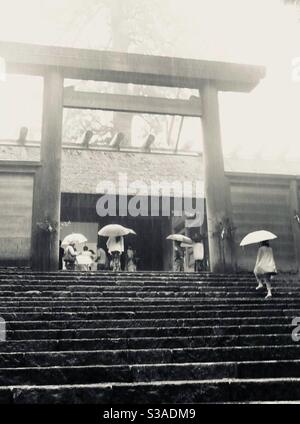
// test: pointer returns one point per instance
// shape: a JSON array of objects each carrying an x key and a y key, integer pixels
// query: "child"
[
  {"x": 265, "y": 267},
  {"x": 130, "y": 260}
]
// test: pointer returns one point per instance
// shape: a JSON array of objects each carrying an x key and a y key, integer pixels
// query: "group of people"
[
  {"x": 115, "y": 246},
  {"x": 88, "y": 260},
  {"x": 198, "y": 254}
]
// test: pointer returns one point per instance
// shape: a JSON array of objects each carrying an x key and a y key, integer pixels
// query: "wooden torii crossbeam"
[
  {"x": 57, "y": 63},
  {"x": 135, "y": 104},
  {"x": 129, "y": 68}
]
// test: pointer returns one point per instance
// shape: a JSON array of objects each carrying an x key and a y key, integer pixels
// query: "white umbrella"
[
  {"x": 181, "y": 238},
  {"x": 75, "y": 238},
  {"x": 257, "y": 237},
  {"x": 115, "y": 230}
]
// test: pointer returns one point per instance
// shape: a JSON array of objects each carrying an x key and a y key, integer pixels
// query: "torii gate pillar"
[
  {"x": 46, "y": 207},
  {"x": 216, "y": 190}
]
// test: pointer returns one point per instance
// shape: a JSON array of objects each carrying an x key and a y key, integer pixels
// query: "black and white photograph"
[{"x": 149, "y": 206}]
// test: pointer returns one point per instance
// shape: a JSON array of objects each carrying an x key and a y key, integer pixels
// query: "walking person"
[
  {"x": 178, "y": 257},
  {"x": 61, "y": 255},
  {"x": 93, "y": 266},
  {"x": 70, "y": 256},
  {"x": 130, "y": 260},
  {"x": 265, "y": 267},
  {"x": 102, "y": 261},
  {"x": 115, "y": 246},
  {"x": 198, "y": 253},
  {"x": 85, "y": 259}
]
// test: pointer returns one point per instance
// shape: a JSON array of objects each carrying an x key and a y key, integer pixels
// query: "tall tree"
[{"x": 134, "y": 26}]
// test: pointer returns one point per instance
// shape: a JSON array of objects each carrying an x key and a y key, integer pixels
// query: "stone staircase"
[{"x": 147, "y": 338}]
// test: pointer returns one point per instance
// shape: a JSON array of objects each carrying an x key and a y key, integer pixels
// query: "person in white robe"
[
  {"x": 115, "y": 246},
  {"x": 265, "y": 267}
]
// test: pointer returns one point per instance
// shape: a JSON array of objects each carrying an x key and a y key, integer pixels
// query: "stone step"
[
  {"x": 197, "y": 391},
  {"x": 141, "y": 280},
  {"x": 249, "y": 287},
  {"x": 93, "y": 343},
  {"x": 141, "y": 283},
  {"x": 135, "y": 277},
  {"x": 98, "y": 314},
  {"x": 32, "y": 313},
  {"x": 126, "y": 288},
  {"x": 94, "y": 374},
  {"x": 97, "y": 306},
  {"x": 119, "y": 290},
  {"x": 134, "y": 321},
  {"x": 138, "y": 276},
  {"x": 93, "y": 330},
  {"x": 155, "y": 294},
  {"x": 99, "y": 300},
  {"x": 151, "y": 356},
  {"x": 142, "y": 274},
  {"x": 97, "y": 278}
]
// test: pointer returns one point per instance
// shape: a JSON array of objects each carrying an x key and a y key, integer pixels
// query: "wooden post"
[
  {"x": 46, "y": 203},
  {"x": 214, "y": 178},
  {"x": 294, "y": 210},
  {"x": 230, "y": 243}
]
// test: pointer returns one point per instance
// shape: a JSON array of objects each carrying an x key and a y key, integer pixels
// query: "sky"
[{"x": 264, "y": 122}]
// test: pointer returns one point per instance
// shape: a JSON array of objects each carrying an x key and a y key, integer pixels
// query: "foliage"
[
  {"x": 47, "y": 226},
  {"x": 51, "y": 227}
]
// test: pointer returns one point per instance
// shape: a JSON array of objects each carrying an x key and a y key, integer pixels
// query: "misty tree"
[
  {"x": 294, "y": 2},
  {"x": 132, "y": 26}
]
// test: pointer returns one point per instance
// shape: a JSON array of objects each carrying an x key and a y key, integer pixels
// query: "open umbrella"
[
  {"x": 75, "y": 238},
  {"x": 257, "y": 237},
  {"x": 181, "y": 238},
  {"x": 115, "y": 230}
]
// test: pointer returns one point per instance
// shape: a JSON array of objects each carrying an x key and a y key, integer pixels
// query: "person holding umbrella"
[
  {"x": 265, "y": 266},
  {"x": 115, "y": 242},
  {"x": 115, "y": 246},
  {"x": 70, "y": 256},
  {"x": 178, "y": 257},
  {"x": 178, "y": 261}
]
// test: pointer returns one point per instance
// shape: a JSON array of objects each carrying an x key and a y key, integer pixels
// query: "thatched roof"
[{"x": 83, "y": 170}]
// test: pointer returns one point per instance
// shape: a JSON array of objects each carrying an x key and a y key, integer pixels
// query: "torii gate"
[{"x": 56, "y": 63}]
